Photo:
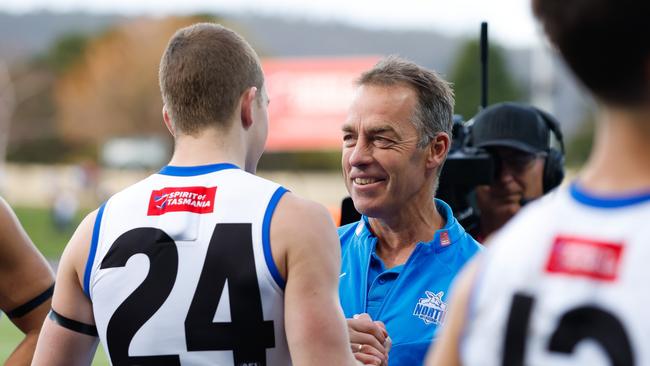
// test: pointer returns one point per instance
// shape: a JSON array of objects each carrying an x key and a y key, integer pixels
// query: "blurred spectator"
[{"x": 64, "y": 209}]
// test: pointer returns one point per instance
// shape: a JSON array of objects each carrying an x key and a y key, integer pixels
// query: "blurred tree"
[
  {"x": 33, "y": 115},
  {"x": 114, "y": 90},
  {"x": 33, "y": 135},
  {"x": 579, "y": 146},
  {"x": 466, "y": 77},
  {"x": 66, "y": 52}
]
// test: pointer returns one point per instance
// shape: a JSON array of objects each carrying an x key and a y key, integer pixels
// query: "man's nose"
[
  {"x": 505, "y": 172},
  {"x": 361, "y": 153}
]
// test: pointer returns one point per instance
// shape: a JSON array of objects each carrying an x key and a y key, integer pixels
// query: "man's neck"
[
  {"x": 620, "y": 158},
  {"x": 398, "y": 235},
  {"x": 209, "y": 147}
]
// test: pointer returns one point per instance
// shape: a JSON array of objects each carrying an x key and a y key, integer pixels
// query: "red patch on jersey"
[
  {"x": 584, "y": 257},
  {"x": 444, "y": 239},
  {"x": 182, "y": 199}
]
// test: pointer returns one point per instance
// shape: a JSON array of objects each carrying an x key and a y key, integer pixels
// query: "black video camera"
[{"x": 465, "y": 168}]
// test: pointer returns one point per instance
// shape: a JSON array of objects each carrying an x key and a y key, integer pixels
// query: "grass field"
[{"x": 39, "y": 225}]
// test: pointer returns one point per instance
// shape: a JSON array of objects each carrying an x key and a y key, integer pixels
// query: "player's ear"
[
  {"x": 437, "y": 150},
  {"x": 247, "y": 103},
  {"x": 168, "y": 121}
]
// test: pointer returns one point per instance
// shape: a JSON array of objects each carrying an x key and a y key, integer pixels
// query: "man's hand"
[{"x": 369, "y": 340}]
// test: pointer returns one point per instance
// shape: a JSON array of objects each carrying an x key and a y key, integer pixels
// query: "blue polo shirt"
[
  {"x": 380, "y": 281},
  {"x": 411, "y": 299}
]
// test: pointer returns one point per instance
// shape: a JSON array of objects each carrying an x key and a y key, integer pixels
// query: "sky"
[{"x": 510, "y": 21}]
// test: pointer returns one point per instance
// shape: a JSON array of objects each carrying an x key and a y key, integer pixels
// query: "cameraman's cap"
[{"x": 513, "y": 125}]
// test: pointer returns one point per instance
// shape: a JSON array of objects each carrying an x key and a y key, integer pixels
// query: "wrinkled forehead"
[{"x": 381, "y": 108}]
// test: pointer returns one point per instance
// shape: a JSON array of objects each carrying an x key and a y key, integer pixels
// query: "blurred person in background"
[
  {"x": 519, "y": 137},
  {"x": 27, "y": 284},
  {"x": 147, "y": 271},
  {"x": 401, "y": 256},
  {"x": 565, "y": 282}
]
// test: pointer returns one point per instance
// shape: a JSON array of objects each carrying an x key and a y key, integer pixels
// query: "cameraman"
[{"x": 518, "y": 137}]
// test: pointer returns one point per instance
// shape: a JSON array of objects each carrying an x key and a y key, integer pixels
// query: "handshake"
[{"x": 369, "y": 340}]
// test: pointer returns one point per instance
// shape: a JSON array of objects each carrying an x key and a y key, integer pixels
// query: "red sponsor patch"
[
  {"x": 584, "y": 257},
  {"x": 182, "y": 199},
  {"x": 444, "y": 239}
]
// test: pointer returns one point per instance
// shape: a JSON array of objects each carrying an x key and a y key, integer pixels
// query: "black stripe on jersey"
[
  {"x": 514, "y": 347},
  {"x": 31, "y": 304},
  {"x": 73, "y": 325}
]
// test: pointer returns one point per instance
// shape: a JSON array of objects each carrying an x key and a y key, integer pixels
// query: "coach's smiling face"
[{"x": 384, "y": 169}]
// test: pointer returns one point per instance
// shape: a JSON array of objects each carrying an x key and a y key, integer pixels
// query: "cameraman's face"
[{"x": 519, "y": 178}]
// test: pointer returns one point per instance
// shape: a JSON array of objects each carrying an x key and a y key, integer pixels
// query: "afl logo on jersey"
[
  {"x": 182, "y": 199},
  {"x": 431, "y": 309}
]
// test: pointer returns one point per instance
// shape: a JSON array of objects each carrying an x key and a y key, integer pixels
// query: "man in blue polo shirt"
[{"x": 400, "y": 258}]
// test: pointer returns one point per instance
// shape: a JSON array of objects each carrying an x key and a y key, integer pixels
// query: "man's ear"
[
  {"x": 437, "y": 150},
  {"x": 168, "y": 121},
  {"x": 247, "y": 103}
]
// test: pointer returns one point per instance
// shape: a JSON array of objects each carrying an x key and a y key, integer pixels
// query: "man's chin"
[
  {"x": 366, "y": 208},
  {"x": 509, "y": 208}
]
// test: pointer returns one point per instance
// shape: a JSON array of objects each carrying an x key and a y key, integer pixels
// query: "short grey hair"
[{"x": 435, "y": 108}]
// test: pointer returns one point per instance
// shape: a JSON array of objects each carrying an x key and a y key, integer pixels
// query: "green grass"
[
  {"x": 40, "y": 228},
  {"x": 10, "y": 336}
]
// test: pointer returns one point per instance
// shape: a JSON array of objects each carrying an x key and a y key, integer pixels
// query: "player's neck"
[
  {"x": 620, "y": 158},
  {"x": 210, "y": 147}
]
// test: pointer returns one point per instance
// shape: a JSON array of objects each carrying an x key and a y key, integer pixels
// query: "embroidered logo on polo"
[
  {"x": 431, "y": 309},
  {"x": 182, "y": 199}
]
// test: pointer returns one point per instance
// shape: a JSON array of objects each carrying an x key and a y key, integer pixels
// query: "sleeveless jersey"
[
  {"x": 565, "y": 283},
  {"x": 180, "y": 271}
]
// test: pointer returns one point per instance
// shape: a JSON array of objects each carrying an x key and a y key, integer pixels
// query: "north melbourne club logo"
[{"x": 431, "y": 309}]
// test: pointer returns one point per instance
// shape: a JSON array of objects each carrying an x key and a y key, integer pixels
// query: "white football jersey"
[
  {"x": 565, "y": 283},
  {"x": 180, "y": 271}
]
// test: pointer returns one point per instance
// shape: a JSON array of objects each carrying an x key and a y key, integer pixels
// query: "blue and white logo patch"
[{"x": 431, "y": 309}]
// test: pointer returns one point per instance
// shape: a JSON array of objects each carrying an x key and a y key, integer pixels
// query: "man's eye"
[
  {"x": 382, "y": 141},
  {"x": 348, "y": 139}
]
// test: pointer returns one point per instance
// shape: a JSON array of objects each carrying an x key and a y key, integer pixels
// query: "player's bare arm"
[
  {"x": 446, "y": 351},
  {"x": 307, "y": 253},
  {"x": 26, "y": 286},
  {"x": 66, "y": 335}
]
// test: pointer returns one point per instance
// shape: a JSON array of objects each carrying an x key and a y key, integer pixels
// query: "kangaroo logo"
[{"x": 431, "y": 309}]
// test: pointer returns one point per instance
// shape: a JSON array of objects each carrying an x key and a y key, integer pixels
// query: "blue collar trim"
[
  {"x": 188, "y": 171},
  {"x": 442, "y": 238},
  {"x": 581, "y": 195}
]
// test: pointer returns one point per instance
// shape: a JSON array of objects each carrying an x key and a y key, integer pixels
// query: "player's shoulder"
[
  {"x": 546, "y": 207},
  {"x": 300, "y": 213},
  {"x": 534, "y": 222},
  {"x": 300, "y": 220},
  {"x": 79, "y": 244}
]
